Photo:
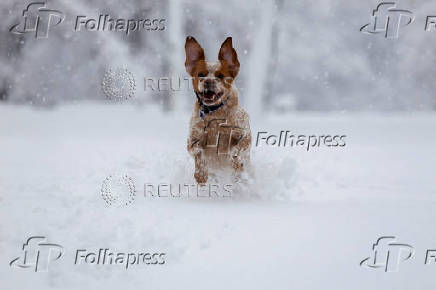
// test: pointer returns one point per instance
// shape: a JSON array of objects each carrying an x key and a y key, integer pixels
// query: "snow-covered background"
[
  {"x": 311, "y": 217},
  {"x": 305, "y": 221},
  {"x": 303, "y": 55}
]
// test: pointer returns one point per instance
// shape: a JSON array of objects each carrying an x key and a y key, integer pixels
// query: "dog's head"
[{"x": 212, "y": 81}]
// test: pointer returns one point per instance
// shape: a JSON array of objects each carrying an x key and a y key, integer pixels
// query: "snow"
[{"x": 307, "y": 220}]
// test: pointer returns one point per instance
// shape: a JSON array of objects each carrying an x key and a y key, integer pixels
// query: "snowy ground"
[{"x": 309, "y": 221}]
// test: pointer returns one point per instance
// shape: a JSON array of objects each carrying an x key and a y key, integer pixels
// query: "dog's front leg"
[
  {"x": 240, "y": 153},
  {"x": 195, "y": 148},
  {"x": 201, "y": 171}
]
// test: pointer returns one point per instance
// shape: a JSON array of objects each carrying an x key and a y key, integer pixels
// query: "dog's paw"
[
  {"x": 237, "y": 164},
  {"x": 201, "y": 177}
]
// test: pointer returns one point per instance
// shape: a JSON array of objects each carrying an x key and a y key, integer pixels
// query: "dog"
[{"x": 219, "y": 133}]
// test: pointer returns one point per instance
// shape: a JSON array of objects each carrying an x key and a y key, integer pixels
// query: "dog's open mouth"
[{"x": 209, "y": 96}]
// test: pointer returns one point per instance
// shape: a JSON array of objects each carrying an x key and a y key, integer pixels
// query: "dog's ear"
[
  {"x": 194, "y": 53},
  {"x": 227, "y": 55}
]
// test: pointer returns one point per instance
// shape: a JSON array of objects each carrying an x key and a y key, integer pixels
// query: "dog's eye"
[
  {"x": 220, "y": 76},
  {"x": 201, "y": 75}
]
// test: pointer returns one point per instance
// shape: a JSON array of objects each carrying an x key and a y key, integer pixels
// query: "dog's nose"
[{"x": 209, "y": 84}]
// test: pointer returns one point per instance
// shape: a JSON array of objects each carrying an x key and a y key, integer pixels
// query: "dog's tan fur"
[{"x": 228, "y": 126}]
